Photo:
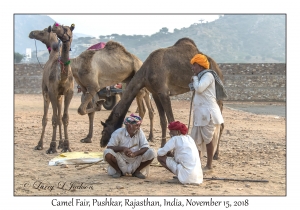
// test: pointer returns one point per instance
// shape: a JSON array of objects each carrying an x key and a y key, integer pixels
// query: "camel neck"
[
  {"x": 119, "y": 112},
  {"x": 65, "y": 52}
]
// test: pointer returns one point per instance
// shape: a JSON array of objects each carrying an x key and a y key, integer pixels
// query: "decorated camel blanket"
[{"x": 97, "y": 46}]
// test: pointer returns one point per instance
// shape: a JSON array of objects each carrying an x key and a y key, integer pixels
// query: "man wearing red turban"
[
  {"x": 207, "y": 117},
  {"x": 185, "y": 163}
]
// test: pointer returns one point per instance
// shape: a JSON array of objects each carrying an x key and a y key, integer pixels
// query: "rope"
[
  {"x": 61, "y": 66},
  {"x": 36, "y": 54},
  {"x": 241, "y": 180}
]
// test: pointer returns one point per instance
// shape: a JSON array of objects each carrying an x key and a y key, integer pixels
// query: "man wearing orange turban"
[
  {"x": 185, "y": 163},
  {"x": 207, "y": 117}
]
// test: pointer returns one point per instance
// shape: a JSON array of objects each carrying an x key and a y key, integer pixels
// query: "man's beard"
[{"x": 135, "y": 131}]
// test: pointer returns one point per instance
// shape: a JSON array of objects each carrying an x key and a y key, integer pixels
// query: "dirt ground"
[{"x": 253, "y": 147}]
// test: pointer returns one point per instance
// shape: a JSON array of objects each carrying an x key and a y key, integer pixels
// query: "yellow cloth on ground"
[{"x": 76, "y": 158}]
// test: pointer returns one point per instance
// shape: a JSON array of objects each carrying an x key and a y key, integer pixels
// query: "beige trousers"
[{"x": 203, "y": 135}]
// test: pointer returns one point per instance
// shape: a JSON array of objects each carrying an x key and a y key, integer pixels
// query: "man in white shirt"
[
  {"x": 186, "y": 163},
  {"x": 207, "y": 115},
  {"x": 128, "y": 151}
]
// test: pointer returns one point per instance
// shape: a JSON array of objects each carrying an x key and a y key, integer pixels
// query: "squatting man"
[
  {"x": 128, "y": 151},
  {"x": 180, "y": 155}
]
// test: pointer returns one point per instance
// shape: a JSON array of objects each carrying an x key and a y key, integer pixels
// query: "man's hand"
[
  {"x": 79, "y": 89},
  {"x": 170, "y": 154},
  {"x": 127, "y": 152},
  {"x": 192, "y": 79}
]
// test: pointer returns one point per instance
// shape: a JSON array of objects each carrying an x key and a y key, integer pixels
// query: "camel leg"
[
  {"x": 65, "y": 119},
  {"x": 139, "y": 100},
  {"x": 88, "y": 138},
  {"x": 142, "y": 107},
  {"x": 166, "y": 103},
  {"x": 148, "y": 95},
  {"x": 44, "y": 121},
  {"x": 59, "y": 114},
  {"x": 54, "y": 102},
  {"x": 163, "y": 121},
  {"x": 87, "y": 98},
  {"x": 151, "y": 115}
]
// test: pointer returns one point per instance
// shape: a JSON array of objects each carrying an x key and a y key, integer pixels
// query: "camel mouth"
[{"x": 31, "y": 35}]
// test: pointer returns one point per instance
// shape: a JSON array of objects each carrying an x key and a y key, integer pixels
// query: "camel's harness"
[{"x": 61, "y": 66}]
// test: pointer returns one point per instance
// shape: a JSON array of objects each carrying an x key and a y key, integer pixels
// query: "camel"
[
  {"x": 96, "y": 69},
  {"x": 57, "y": 84},
  {"x": 84, "y": 68},
  {"x": 166, "y": 72}
]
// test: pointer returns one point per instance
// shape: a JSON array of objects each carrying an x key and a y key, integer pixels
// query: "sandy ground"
[{"x": 253, "y": 147}]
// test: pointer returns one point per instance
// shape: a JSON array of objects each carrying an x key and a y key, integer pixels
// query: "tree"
[
  {"x": 164, "y": 30},
  {"x": 18, "y": 57}
]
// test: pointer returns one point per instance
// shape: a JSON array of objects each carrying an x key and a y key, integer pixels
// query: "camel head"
[
  {"x": 46, "y": 36},
  {"x": 64, "y": 33},
  {"x": 114, "y": 122},
  {"x": 106, "y": 134}
]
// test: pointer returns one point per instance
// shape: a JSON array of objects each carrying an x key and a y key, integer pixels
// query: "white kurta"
[
  {"x": 207, "y": 115},
  {"x": 127, "y": 164},
  {"x": 205, "y": 105},
  {"x": 188, "y": 166}
]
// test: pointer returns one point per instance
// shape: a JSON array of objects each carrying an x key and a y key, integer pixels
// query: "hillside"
[
  {"x": 229, "y": 39},
  {"x": 24, "y": 24}
]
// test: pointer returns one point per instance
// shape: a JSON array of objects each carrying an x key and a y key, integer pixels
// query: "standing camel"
[
  {"x": 166, "y": 72},
  {"x": 82, "y": 67},
  {"x": 96, "y": 69},
  {"x": 57, "y": 84}
]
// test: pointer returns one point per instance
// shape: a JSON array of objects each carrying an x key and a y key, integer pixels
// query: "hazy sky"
[{"x": 96, "y": 25}]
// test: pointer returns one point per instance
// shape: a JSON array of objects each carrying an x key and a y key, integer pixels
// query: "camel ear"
[
  {"x": 104, "y": 124},
  {"x": 72, "y": 27},
  {"x": 49, "y": 29}
]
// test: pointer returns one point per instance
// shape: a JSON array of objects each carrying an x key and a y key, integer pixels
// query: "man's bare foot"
[
  {"x": 139, "y": 175},
  {"x": 207, "y": 170},
  {"x": 117, "y": 175}
]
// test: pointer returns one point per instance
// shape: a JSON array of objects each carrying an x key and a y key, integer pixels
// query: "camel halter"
[
  {"x": 36, "y": 54},
  {"x": 62, "y": 65},
  {"x": 65, "y": 33}
]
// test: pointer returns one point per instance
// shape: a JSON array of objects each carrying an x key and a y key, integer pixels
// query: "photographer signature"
[{"x": 69, "y": 186}]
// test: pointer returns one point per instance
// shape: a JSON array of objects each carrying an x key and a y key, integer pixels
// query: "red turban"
[{"x": 178, "y": 126}]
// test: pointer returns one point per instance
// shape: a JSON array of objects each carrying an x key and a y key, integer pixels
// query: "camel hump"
[
  {"x": 184, "y": 41},
  {"x": 87, "y": 54},
  {"x": 116, "y": 47},
  {"x": 112, "y": 45}
]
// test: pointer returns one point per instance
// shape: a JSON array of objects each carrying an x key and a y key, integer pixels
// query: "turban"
[
  {"x": 178, "y": 126},
  {"x": 201, "y": 60},
  {"x": 133, "y": 119}
]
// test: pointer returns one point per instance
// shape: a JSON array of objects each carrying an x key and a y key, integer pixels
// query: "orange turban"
[
  {"x": 178, "y": 126},
  {"x": 201, "y": 60}
]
